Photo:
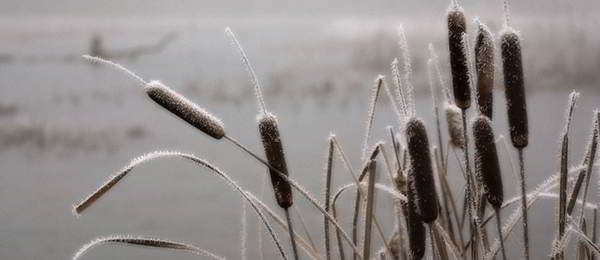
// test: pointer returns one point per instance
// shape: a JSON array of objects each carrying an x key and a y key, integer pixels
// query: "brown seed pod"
[
  {"x": 484, "y": 65},
  {"x": 487, "y": 165},
  {"x": 458, "y": 58},
  {"x": 269, "y": 134},
  {"x": 420, "y": 174},
  {"x": 185, "y": 109},
  {"x": 514, "y": 88},
  {"x": 415, "y": 228}
]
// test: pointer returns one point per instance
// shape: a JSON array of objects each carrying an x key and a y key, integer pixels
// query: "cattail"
[
  {"x": 514, "y": 88},
  {"x": 269, "y": 133},
  {"x": 185, "y": 109},
  {"x": 415, "y": 227},
  {"x": 484, "y": 65},
  {"x": 458, "y": 57},
  {"x": 420, "y": 175},
  {"x": 455, "y": 127},
  {"x": 487, "y": 161}
]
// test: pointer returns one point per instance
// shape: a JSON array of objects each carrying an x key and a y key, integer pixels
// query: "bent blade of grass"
[
  {"x": 88, "y": 201},
  {"x": 145, "y": 242}
]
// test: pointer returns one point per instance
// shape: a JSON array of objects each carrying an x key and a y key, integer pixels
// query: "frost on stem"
[
  {"x": 253, "y": 79},
  {"x": 407, "y": 79}
]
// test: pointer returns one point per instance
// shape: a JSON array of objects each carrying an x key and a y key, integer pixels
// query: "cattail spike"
[
  {"x": 514, "y": 87},
  {"x": 117, "y": 66},
  {"x": 458, "y": 58},
  {"x": 421, "y": 171},
  {"x": 257, "y": 89},
  {"x": 185, "y": 109},
  {"x": 271, "y": 139},
  {"x": 484, "y": 64},
  {"x": 415, "y": 227},
  {"x": 488, "y": 166}
]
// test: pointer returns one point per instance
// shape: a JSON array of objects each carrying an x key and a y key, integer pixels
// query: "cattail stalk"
[
  {"x": 372, "y": 166},
  {"x": 484, "y": 65},
  {"x": 488, "y": 167},
  {"x": 564, "y": 169},
  {"x": 514, "y": 86},
  {"x": 458, "y": 58},
  {"x": 267, "y": 124},
  {"x": 327, "y": 201},
  {"x": 415, "y": 227},
  {"x": 185, "y": 109},
  {"x": 421, "y": 172},
  {"x": 590, "y": 157}
]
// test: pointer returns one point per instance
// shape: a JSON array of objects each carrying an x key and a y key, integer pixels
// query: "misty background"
[{"x": 66, "y": 125}]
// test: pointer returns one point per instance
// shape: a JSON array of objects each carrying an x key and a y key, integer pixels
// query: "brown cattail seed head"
[
  {"x": 487, "y": 163},
  {"x": 420, "y": 174},
  {"x": 416, "y": 229},
  {"x": 185, "y": 109},
  {"x": 271, "y": 140},
  {"x": 484, "y": 64},
  {"x": 458, "y": 58},
  {"x": 455, "y": 127},
  {"x": 514, "y": 88}
]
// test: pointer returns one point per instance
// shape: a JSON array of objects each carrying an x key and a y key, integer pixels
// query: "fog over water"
[{"x": 66, "y": 125}]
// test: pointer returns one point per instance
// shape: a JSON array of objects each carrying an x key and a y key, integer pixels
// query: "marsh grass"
[{"x": 428, "y": 221}]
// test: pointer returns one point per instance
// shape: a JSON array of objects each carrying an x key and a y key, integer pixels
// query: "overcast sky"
[{"x": 187, "y": 8}]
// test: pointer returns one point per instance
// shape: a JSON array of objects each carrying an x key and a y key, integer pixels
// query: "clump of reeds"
[
  {"x": 484, "y": 66},
  {"x": 412, "y": 170}
]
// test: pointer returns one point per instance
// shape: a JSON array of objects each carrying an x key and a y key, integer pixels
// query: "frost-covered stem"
[
  {"x": 435, "y": 109},
  {"x": 524, "y": 204},
  {"x": 327, "y": 202},
  {"x": 470, "y": 191},
  {"x": 244, "y": 234},
  {"x": 371, "y": 115},
  {"x": 288, "y": 219},
  {"x": 253, "y": 79},
  {"x": 499, "y": 227},
  {"x": 506, "y": 14},
  {"x": 403, "y": 43}
]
